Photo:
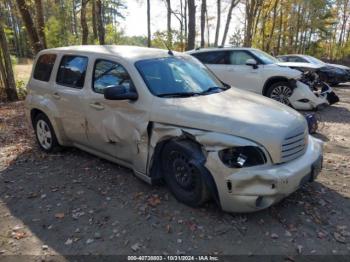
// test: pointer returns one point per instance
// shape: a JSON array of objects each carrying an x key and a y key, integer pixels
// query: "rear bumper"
[{"x": 256, "y": 188}]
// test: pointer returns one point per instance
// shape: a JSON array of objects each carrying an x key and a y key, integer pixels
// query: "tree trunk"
[
  {"x": 218, "y": 21},
  {"x": 40, "y": 22},
  {"x": 203, "y": 10},
  {"x": 228, "y": 20},
  {"x": 149, "y": 23},
  {"x": 208, "y": 29},
  {"x": 100, "y": 28},
  {"x": 191, "y": 25},
  {"x": 75, "y": 26},
  {"x": 10, "y": 82},
  {"x": 30, "y": 27},
  {"x": 268, "y": 44},
  {"x": 280, "y": 28},
  {"x": 84, "y": 26},
  {"x": 94, "y": 22},
  {"x": 169, "y": 32}
]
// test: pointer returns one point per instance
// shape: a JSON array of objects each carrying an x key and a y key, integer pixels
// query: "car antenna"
[{"x": 167, "y": 47}]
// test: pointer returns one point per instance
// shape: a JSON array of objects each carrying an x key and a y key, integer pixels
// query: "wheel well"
[
  {"x": 272, "y": 81},
  {"x": 156, "y": 168},
  {"x": 33, "y": 114}
]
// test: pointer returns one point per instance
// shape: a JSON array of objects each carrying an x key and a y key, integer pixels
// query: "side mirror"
[
  {"x": 252, "y": 62},
  {"x": 119, "y": 93}
]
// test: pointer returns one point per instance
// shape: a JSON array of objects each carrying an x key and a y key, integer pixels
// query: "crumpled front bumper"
[
  {"x": 304, "y": 99},
  {"x": 256, "y": 188}
]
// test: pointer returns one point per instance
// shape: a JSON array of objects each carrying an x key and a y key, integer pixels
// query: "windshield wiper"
[
  {"x": 179, "y": 94},
  {"x": 210, "y": 90}
]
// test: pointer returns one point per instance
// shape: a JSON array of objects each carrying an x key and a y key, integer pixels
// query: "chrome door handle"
[
  {"x": 97, "y": 106},
  {"x": 56, "y": 96}
]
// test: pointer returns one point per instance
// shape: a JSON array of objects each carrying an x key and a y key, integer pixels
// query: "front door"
[
  {"x": 116, "y": 127},
  {"x": 243, "y": 76}
]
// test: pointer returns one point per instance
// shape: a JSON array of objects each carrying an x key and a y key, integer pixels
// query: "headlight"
[{"x": 244, "y": 156}]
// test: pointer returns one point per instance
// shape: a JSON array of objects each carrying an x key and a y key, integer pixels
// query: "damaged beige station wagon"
[{"x": 168, "y": 118}]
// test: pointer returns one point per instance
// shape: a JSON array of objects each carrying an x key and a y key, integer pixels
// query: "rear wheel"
[
  {"x": 45, "y": 133},
  {"x": 182, "y": 174},
  {"x": 281, "y": 92}
]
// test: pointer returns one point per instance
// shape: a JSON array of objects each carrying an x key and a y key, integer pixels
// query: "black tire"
[
  {"x": 180, "y": 160},
  {"x": 283, "y": 88},
  {"x": 41, "y": 121}
]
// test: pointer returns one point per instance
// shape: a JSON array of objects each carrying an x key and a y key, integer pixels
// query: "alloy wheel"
[{"x": 281, "y": 94}]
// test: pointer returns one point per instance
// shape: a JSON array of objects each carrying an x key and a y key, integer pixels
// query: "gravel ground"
[{"x": 75, "y": 203}]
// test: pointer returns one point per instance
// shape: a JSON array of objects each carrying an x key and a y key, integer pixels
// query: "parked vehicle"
[
  {"x": 167, "y": 117},
  {"x": 332, "y": 74},
  {"x": 256, "y": 71}
]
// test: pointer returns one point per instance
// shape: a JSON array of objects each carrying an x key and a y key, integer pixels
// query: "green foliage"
[
  {"x": 53, "y": 32},
  {"x": 14, "y": 60},
  {"x": 112, "y": 35},
  {"x": 21, "y": 89}
]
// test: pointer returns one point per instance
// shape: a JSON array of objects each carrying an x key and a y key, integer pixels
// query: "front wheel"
[
  {"x": 180, "y": 162},
  {"x": 281, "y": 92}
]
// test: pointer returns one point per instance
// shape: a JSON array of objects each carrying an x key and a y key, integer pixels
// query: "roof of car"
[
  {"x": 292, "y": 55},
  {"x": 219, "y": 49},
  {"x": 128, "y": 52}
]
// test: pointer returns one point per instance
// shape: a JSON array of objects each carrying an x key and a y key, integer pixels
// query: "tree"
[
  {"x": 94, "y": 20},
  {"x": 169, "y": 30},
  {"x": 30, "y": 27},
  {"x": 100, "y": 27},
  {"x": 84, "y": 26},
  {"x": 40, "y": 22},
  {"x": 6, "y": 65},
  {"x": 148, "y": 23},
  {"x": 191, "y": 24},
  {"x": 252, "y": 8},
  {"x": 228, "y": 20},
  {"x": 203, "y": 14},
  {"x": 218, "y": 21}
]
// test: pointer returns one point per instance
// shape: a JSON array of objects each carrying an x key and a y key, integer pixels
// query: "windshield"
[
  {"x": 314, "y": 60},
  {"x": 264, "y": 57},
  {"x": 177, "y": 76}
]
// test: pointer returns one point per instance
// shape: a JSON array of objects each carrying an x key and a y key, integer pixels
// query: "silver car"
[{"x": 165, "y": 116}]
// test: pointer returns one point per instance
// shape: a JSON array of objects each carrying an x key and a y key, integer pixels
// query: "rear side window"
[
  {"x": 108, "y": 74},
  {"x": 72, "y": 71},
  {"x": 43, "y": 67},
  {"x": 216, "y": 57}
]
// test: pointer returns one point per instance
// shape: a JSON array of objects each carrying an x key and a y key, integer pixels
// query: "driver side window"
[
  {"x": 108, "y": 74},
  {"x": 239, "y": 57}
]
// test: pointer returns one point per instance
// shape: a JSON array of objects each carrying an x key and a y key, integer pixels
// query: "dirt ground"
[{"x": 75, "y": 203}]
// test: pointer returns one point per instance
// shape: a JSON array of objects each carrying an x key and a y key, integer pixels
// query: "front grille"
[{"x": 293, "y": 146}]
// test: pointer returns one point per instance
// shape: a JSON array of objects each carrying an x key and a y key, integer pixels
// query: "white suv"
[
  {"x": 165, "y": 116},
  {"x": 256, "y": 71}
]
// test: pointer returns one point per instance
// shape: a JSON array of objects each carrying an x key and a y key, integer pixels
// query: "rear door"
[
  {"x": 217, "y": 62},
  {"x": 69, "y": 95},
  {"x": 40, "y": 84}
]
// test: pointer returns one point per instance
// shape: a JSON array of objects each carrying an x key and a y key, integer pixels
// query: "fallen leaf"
[
  {"x": 136, "y": 247},
  {"x": 59, "y": 215},
  {"x": 168, "y": 229},
  {"x": 154, "y": 200},
  {"x": 19, "y": 235},
  {"x": 339, "y": 238}
]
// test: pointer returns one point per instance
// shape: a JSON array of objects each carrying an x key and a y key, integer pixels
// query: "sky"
[{"x": 135, "y": 22}]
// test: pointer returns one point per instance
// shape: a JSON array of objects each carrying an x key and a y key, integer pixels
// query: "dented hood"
[{"x": 234, "y": 112}]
